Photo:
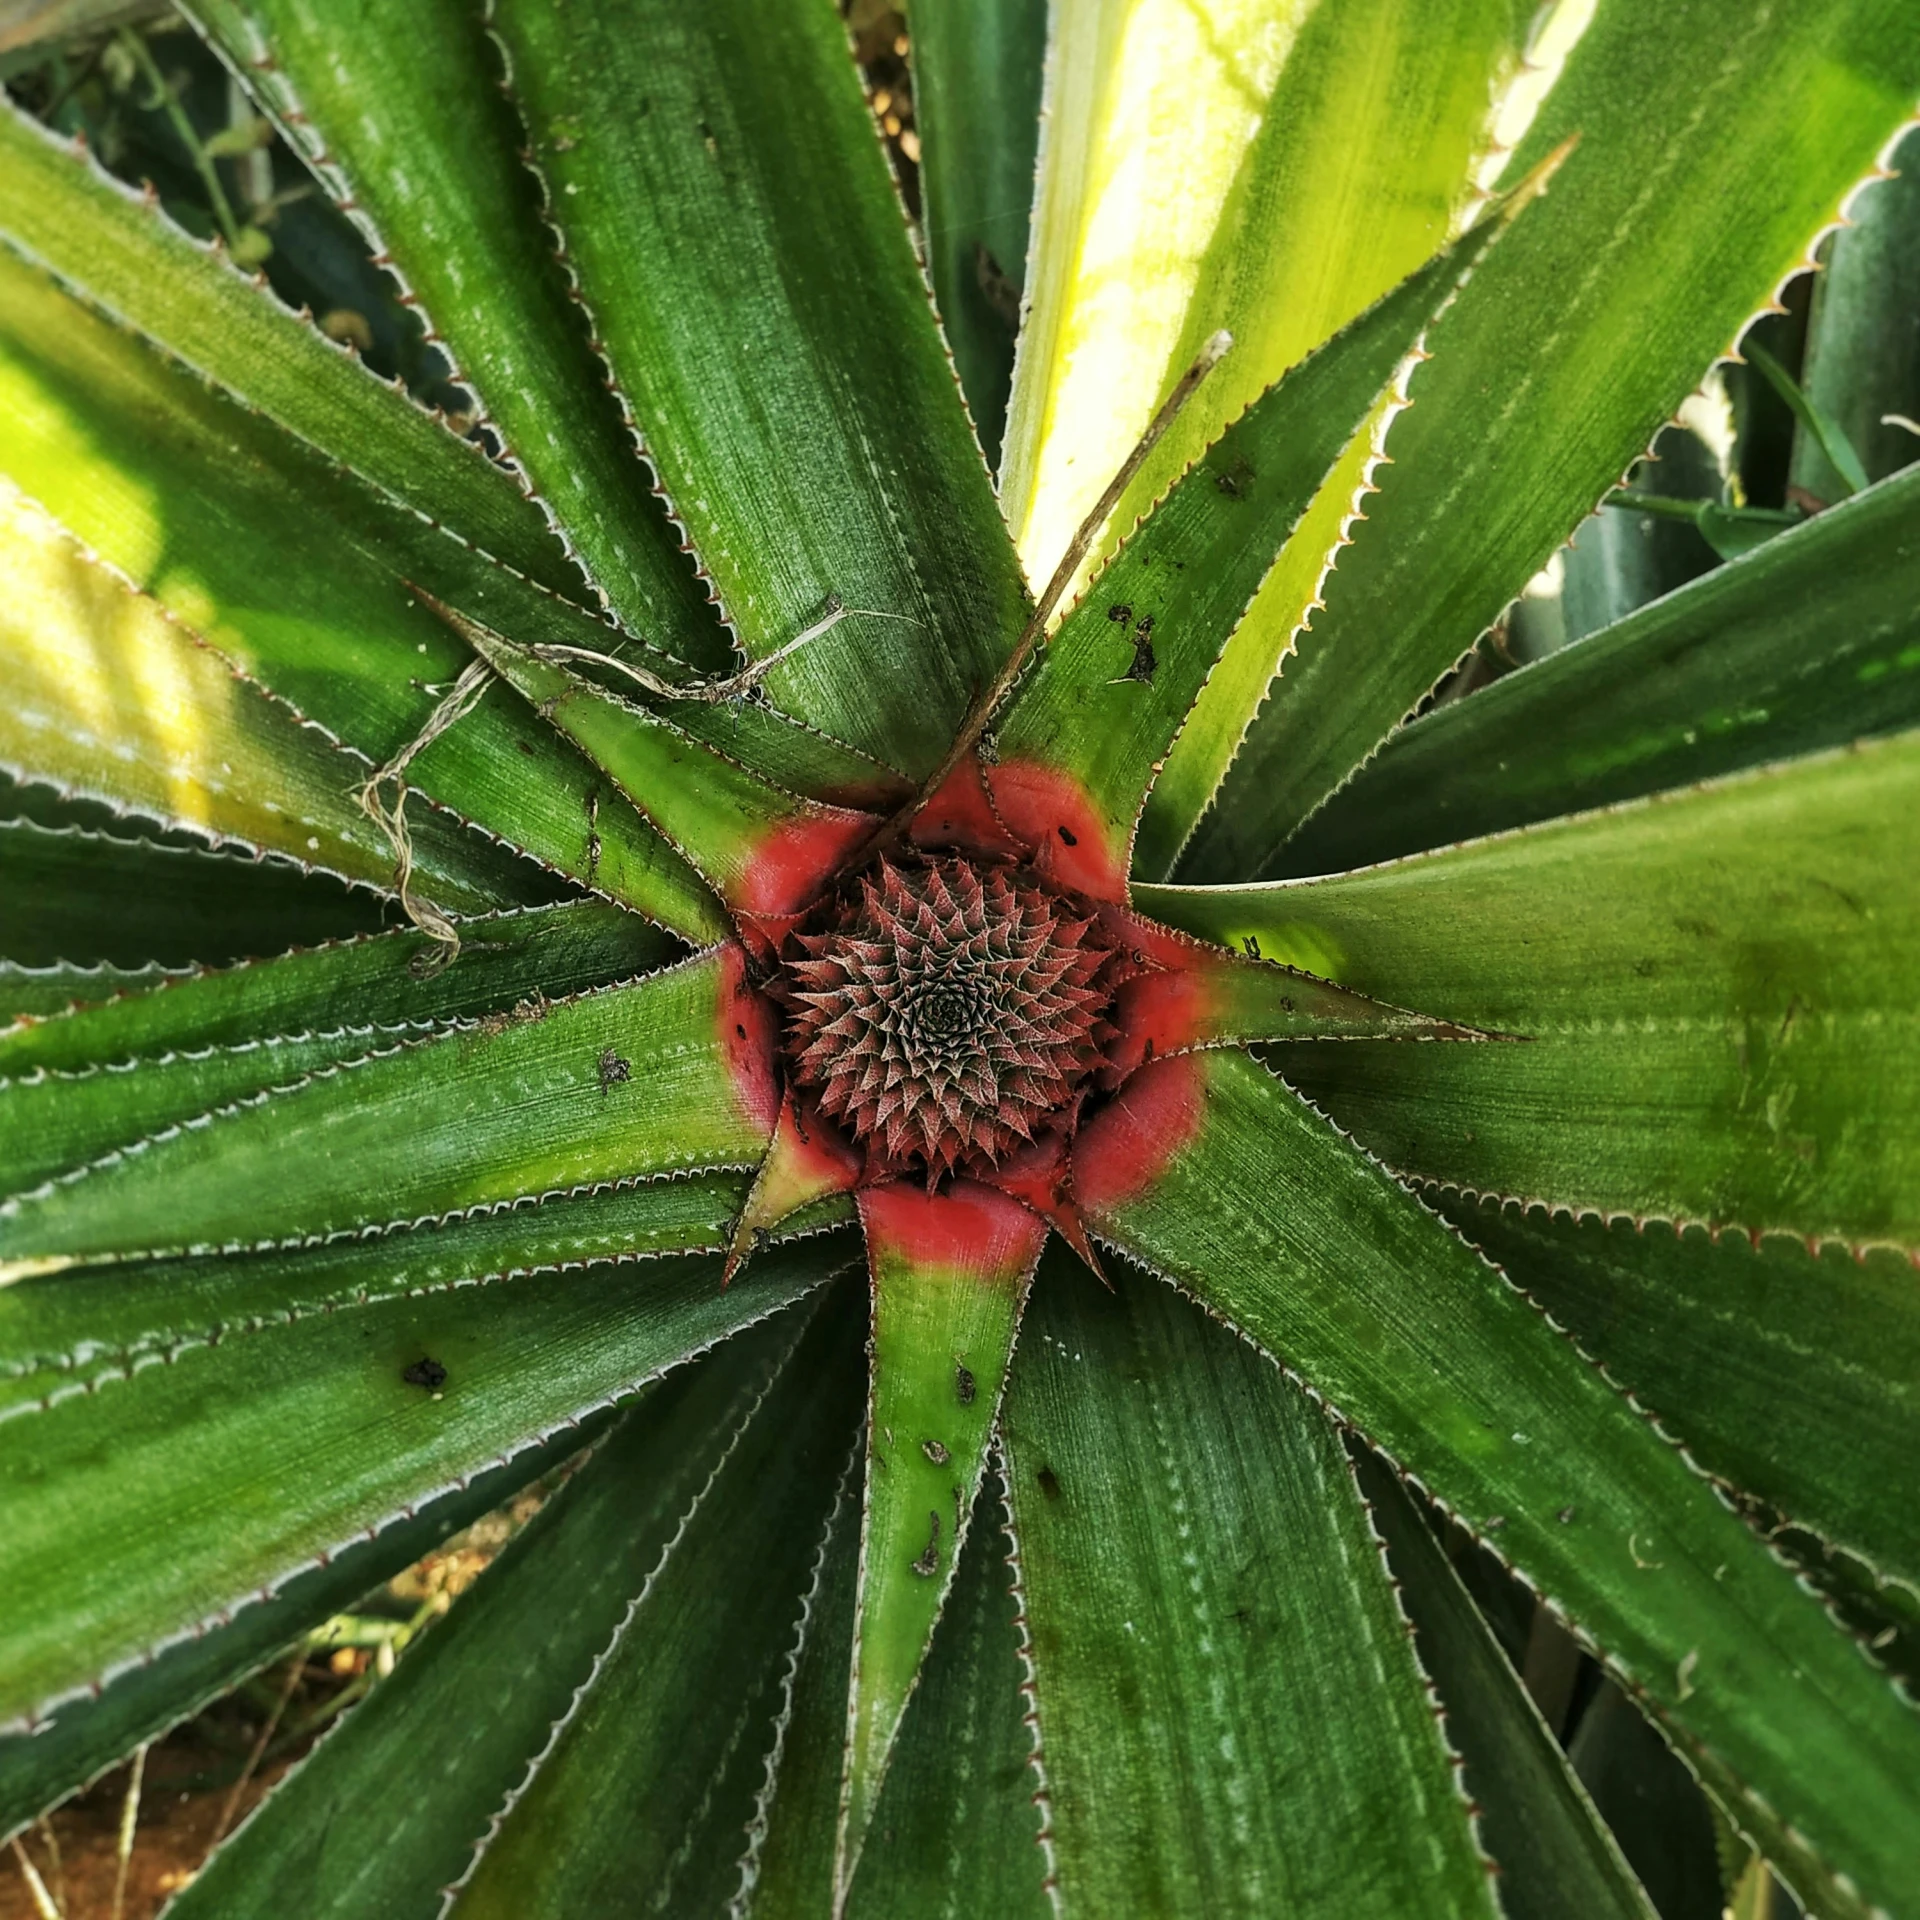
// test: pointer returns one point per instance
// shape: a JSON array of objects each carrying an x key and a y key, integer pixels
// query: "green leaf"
[
  {"x": 1859, "y": 368},
  {"x": 73, "y": 1087},
  {"x": 87, "y": 1328},
  {"x": 791, "y": 385},
  {"x": 1278, "y": 1225},
  {"x": 484, "y": 1690},
  {"x": 1230, "y": 1718},
  {"x": 54, "y": 1121},
  {"x": 1714, "y": 985},
  {"x": 38, "y": 993},
  {"x": 1111, "y": 690},
  {"x": 42, "y": 25},
  {"x": 1708, "y": 1334},
  {"x": 1555, "y": 1855},
  {"x": 1321, "y": 155},
  {"x": 1190, "y": 995},
  {"x": 110, "y": 700},
  {"x": 976, "y": 103},
  {"x": 65, "y": 893},
  {"x": 189, "y": 497},
  {"x": 957, "y": 1826},
  {"x": 403, "y": 124},
  {"x": 797, "y": 757},
  {"x": 87, "y": 1735},
  {"x": 670, "y": 1075},
  {"x": 1825, "y": 433},
  {"x": 1315, "y": 163},
  {"x": 378, "y": 980},
  {"x": 167, "y": 1501},
  {"x": 761, "y": 849},
  {"x": 1656, "y": 253},
  {"x": 787, "y": 1866},
  {"x": 956, "y": 1829},
  {"x": 59, "y": 207},
  {"x": 950, "y": 1274},
  {"x": 1811, "y": 642},
  {"x": 689, "y": 1695}
]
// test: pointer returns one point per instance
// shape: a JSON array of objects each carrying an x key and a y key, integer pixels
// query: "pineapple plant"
[{"x": 886, "y": 934}]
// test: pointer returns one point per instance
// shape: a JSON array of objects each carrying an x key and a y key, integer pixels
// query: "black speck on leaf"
[
  {"x": 963, "y": 1385},
  {"x": 1144, "y": 659},
  {"x": 929, "y": 1562},
  {"x": 426, "y": 1373},
  {"x": 1072, "y": 839},
  {"x": 1049, "y": 1483},
  {"x": 1233, "y": 481},
  {"x": 613, "y": 1070}
]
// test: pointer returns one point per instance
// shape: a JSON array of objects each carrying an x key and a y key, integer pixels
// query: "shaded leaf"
[
  {"x": 1174, "y": 1674},
  {"x": 1660, "y": 1818},
  {"x": 87, "y": 1735},
  {"x": 485, "y": 1689},
  {"x": 687, "y": 1695},
  {"x": 402, "y": 123},
  {"x": 1813, "y": 641},
  {"x": 117, "y": 1544},
  {"x": 1555, "y": 1855},
  {"x": 1792, "y": 1377},
  {"x": 1532, "y": 408},
  {"x": 791, "y": 386},
  {"x": 64, "y": 896},
  {"x": 1278, "y": 1225},
  {"x": 976, "y": 103},
  {"x": 1862, "y": 359}
]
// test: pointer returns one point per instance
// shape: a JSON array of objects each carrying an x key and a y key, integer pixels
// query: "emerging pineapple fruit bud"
[{"x": 949, "y": 1014}]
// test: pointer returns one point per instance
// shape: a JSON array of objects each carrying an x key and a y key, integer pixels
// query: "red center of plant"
[{"x": 948, "y": 1013}]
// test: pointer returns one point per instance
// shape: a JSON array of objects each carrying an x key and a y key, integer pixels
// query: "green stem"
[
  {"x": 1654, "y": 503},
  {"x": 1658, "y": 503},
  {"x": 169, "y": 101}
]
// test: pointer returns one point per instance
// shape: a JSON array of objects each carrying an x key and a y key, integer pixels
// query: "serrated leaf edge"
[
  {"x": 1678, "y": 1740},
  {"x": 496, "y": 1823},
  {"x": 1882, "y": 169},
  {"x": 35, "y": 1716}
]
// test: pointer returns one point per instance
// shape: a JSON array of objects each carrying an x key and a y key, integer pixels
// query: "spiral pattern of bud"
[{"x": 950, "y": 1014}]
